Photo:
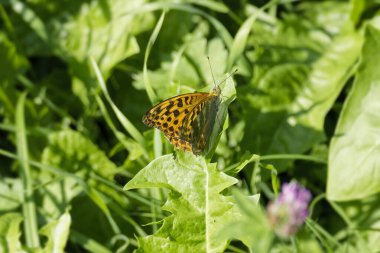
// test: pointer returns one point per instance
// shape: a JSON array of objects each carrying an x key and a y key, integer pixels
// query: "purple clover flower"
[{"x": 288, "y": 212}]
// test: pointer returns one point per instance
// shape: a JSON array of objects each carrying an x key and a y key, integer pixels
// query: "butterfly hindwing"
[{"x": 203, "y": 125}]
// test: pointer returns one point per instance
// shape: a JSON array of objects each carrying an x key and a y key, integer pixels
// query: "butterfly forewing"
[{"x": 168, "y": 116}]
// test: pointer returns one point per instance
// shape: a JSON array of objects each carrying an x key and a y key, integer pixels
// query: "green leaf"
[
  {"x": 240, "y": 40},
  {"x": 73, "y": 152},
  {"x": 355, "y": 149},
  {"x": 253, "y": 229},
  {"x": 10, "y": 190},
  {"x": 30, "y": 17},
  {"x": 108, "y": 38},
  {"x": 361, "y": 8},
  {"x": 362, "y": 215},
  {"x": 10, "y": 232},
  {"x": 198, "y": 210},
  {"x": 191, "y": 71},
  {"x": 12, "y": 62},
  {"x": 296, "y": 86},
  {"x": 57, "y": 232}
]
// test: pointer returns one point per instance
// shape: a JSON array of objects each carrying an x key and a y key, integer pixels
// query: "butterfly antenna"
[
  {"x": 212, "y": 73},
  {"x": 236, "y": 70}
]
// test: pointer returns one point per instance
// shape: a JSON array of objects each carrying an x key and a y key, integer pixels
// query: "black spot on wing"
[
  {"x": 176, "y": 113},
  {"x": 187, "y": 100},
  {"x": 180, "y": 103}
]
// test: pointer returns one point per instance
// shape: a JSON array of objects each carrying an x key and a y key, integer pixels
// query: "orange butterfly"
[{"x": 186, "y": 120}]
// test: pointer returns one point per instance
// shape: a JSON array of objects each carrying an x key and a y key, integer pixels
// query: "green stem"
[
  {"x": 292, "y": 157},
  {"x": 28, "y": 207}
]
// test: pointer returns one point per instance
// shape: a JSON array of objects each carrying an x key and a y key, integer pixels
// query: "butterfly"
[{"x": 186, "y": 120}]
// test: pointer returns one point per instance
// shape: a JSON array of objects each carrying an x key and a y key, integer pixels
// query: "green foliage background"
[{"x": 81, "y": 173}]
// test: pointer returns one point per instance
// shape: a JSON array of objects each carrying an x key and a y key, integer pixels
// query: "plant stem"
[{"x": 28, "y": 207}]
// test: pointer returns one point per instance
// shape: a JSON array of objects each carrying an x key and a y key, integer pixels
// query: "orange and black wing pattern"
[{"x": 177, "y": 117}]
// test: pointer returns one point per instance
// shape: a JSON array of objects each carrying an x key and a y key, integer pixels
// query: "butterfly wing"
[
  {"x": 198, "y": 124},
  {"x": 169, "y": 115}
]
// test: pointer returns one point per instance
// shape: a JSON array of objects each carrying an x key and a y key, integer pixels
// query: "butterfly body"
[{"x": 186, "y": 120}]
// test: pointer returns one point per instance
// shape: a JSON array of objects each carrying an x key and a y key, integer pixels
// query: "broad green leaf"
[
  {"x": 296, "y": 86},
  {"x": 57, "y": 233},
  {"x": 313, "y": 97},
  {"x": 107, "y": 38},
  {"x": 10, "y": 232},
  {"x": 253, "y": 229},
  {"x": 75, "y": 153},
  {"x": 198, "y": 209},
  {"x": 354, "y": 155},
  {"x": 104, "y": 31},
  {"x": 72, "y": 151}
]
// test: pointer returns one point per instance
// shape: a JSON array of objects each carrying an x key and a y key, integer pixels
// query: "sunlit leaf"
[
  {"x": 296, "y": 86},
  {"x": 57, "y": 232},
  {"x": 198, "y": 209},
  {"x": 10, "y": 232},
  {"x": 355, "y": 150}
]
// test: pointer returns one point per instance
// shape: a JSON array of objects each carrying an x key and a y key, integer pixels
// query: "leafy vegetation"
[{"x": 81, "y": 173}]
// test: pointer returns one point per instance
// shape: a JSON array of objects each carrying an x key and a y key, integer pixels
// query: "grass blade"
[
  {"x": 30, "y": 18},
  {"x": 125, "y": 122},
  {"x": 28, "y": 206},
  {"x": 152, "y": 96}
]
